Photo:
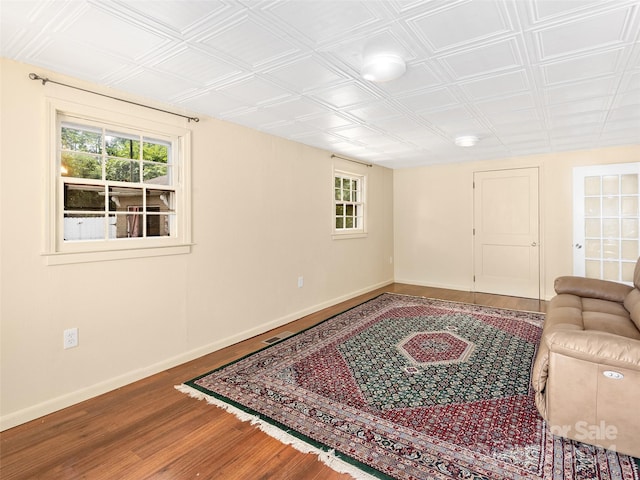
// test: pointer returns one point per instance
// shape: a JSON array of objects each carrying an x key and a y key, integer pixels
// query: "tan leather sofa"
[{"x": 586, "y": 375}]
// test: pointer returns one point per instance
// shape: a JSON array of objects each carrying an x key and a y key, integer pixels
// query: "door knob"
[
  {"x": 533, "y": 244},
  {"x": 577, "y": 245}
]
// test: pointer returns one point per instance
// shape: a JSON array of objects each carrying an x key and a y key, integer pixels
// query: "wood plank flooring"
[{"x": 149, "y": 430}]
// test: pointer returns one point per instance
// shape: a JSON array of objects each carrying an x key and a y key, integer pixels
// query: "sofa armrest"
[
  {"x": 592, "y": 288},
  {"x": 597, "y": 347}
]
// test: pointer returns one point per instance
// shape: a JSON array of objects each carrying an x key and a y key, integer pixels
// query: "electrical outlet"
[
  {"x": 70, "y": 339},
  {"x": 300, "y": 281}
]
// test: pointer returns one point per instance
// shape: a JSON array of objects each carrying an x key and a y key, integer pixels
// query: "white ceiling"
[{"x": 526, "y": 76}]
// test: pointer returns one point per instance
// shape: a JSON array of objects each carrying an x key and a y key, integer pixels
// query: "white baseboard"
[
  {"x": 462, "y": 288},
  {"x": 58, "y": 403}
]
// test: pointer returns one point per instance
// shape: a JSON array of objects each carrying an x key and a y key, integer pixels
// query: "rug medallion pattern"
[{"x": 413, "y": 388}]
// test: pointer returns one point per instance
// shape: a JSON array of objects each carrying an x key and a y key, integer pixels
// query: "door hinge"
[
  {"x": 474, "y": 279},
  {"x": 474, "y": 231}
]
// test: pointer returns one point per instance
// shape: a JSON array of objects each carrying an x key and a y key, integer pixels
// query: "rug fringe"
[{"x": 327, "y": 457}]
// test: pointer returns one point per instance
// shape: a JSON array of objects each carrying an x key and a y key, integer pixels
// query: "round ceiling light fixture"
[
  {"x": 466, "y": 140},
  {"x": 383, "y": 67}
]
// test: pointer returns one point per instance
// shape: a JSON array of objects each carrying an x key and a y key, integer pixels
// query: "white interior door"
[{"x": 506, "y": 232}]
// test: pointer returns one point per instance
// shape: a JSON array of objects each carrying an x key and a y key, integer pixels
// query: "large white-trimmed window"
[
  {"x": 119, "y": 188},
  {"x": 349, "y": 204}
]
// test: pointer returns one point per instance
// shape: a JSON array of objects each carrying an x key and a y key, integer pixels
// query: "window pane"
[
  {"x": 160, "y": 225},
  {"x": 347, "y": 202},
  {"x": 155, "y": 151},
  {"x": 129, "y": 224},
  {"x": 592, "y": 186},
  {"x": 118, "y": 179},
  {"x": 83, "y": 227},
  {"x": 122, "y": 145},
  {"x": 630, "y": 183},
  {"x": 80, "y": 139},
  {"x": 630, "y": 228},
  {"x": 592, "y": 227},
  {"x": 629, "y": 206},
  {"x": 611, "y": 249},
  {"x": 610, "y": 184},
  {"x": 81, "y": 165},
  {"x": 610, "y": 206},
  {"x": 83, "y": 197},
  {"x": 593, "y": 268},
  {"x": 611, "y": 271},
  {"x": 123, "y": 170},
  {"x": 155, "y": 173},
  {"x": 627, "y": 271},
  {"x": 160, "y": 201},
  {"x": 122, "y": 199},
  {"x": 611, "y": 228},
  {"x": 593, "y": 248},
  {"x": 133, "y": 223},
  {"x": 592, "y": 207},
  {"x": 630, "y": 250}
]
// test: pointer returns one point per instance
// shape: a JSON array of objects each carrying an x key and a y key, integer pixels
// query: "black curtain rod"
[
  {"x": 44, "y": 80},
  {"x": 352, "y": 160}
]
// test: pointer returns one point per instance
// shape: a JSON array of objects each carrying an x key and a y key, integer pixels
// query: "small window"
[
  {"x": 349, "y": 203},
  {"x": 117, "y": 188}
]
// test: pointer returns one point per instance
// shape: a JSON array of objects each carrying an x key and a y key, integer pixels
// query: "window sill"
[
  {"x": 345, "y": 236},
  {"x": 65, "y": 258}
]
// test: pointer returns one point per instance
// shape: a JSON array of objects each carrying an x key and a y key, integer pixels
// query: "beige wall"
[
  {"x": 261, "y": 217},
  {"x": 250, "y": 247},
  {"x": 433, "y": 216}
]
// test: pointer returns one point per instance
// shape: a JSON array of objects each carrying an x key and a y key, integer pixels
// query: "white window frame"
[
  {"x": 57, "y": 251},
  {"x": 361, "y": 202}
]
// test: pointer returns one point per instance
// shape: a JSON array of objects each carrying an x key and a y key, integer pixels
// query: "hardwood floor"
[{"x": 149, "y": 430}]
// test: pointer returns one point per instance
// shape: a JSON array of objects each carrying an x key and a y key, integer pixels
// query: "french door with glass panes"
[{"x": 606, "y": 221}]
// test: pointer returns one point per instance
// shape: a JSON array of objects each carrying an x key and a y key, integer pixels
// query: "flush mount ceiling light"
[
  {"x": 383, "y": 67},
  {"x": 466, "y": 140}
]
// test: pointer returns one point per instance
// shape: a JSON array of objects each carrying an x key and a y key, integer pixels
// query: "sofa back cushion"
[
  {"x": 632, "y": 303},
  {"x": 632, "y": 300}
]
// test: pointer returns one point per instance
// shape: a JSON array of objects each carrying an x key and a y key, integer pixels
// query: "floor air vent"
[{"x": 278, "y": 337}]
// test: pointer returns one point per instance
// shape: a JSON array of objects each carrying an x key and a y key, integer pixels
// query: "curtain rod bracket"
[
  {"x": 333, "y": 155},
  {"x": 35, "y": 76}
]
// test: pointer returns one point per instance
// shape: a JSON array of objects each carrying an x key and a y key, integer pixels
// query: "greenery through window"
[
  {"x": 348, "y": 203},
  {"x": 115, "y": 184}
]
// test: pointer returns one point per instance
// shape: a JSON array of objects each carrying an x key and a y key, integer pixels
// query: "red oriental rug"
[{"x": 410, "y": 388}]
